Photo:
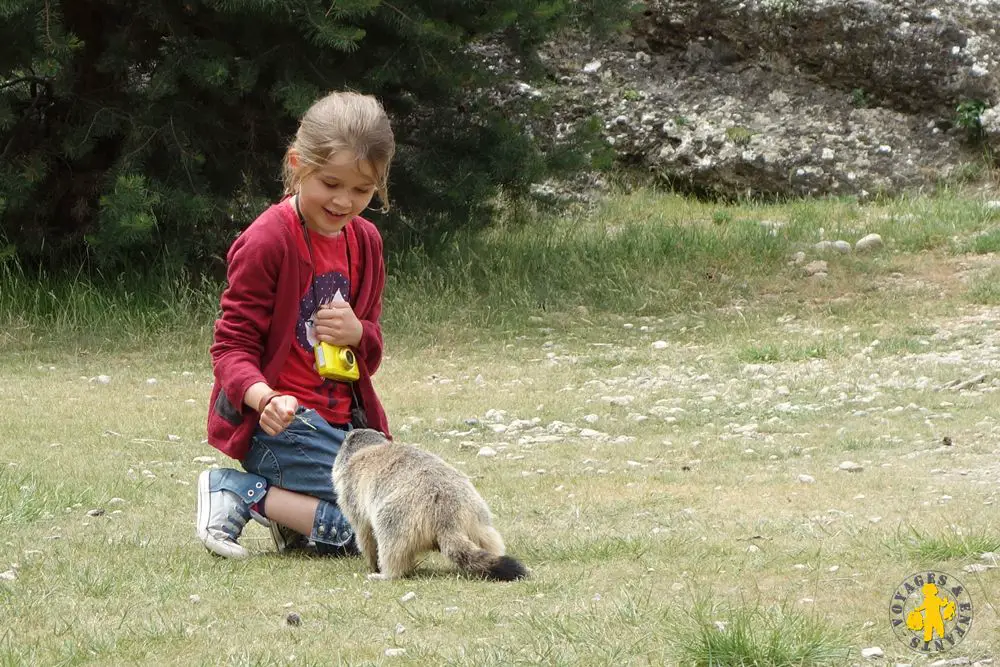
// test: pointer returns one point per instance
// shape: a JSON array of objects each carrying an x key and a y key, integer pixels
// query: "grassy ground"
[{"x": 670, "y": 397}]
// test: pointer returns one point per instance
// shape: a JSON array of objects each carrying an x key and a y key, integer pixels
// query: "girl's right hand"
[{"x": 278, "y": 414}]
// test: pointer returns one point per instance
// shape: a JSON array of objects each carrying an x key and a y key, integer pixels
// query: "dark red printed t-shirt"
[{"x": 331, "y": 399}]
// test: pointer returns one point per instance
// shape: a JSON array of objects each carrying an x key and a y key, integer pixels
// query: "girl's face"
[{"x": 336, "y": 192}]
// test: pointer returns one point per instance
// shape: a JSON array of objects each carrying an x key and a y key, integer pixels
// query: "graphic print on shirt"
[{"x": 327, "y": 287}]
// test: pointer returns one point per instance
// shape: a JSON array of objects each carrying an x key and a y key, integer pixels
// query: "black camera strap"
[
  {"x": 358, "y": 417},
  {"x": 312, "y": 258}
]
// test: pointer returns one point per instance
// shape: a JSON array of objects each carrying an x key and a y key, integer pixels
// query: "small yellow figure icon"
[{"x": 931, "y": 614}]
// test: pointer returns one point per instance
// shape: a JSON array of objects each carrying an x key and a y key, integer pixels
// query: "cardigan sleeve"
[
  {"x": 370, "y": 346},
  {"x": 247, "y": 305}
]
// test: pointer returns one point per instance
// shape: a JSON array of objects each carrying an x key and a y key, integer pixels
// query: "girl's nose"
[{"x": 341, "y": 198}]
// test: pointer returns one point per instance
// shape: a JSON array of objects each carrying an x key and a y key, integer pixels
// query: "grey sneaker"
[
  {"x": 286, "y": 539},
  {"x": 262, "y": 520},
  {"x": 221, "y": 517}
]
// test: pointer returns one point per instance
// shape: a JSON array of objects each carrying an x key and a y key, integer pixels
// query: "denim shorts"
[{"x": 300, "y": 458}]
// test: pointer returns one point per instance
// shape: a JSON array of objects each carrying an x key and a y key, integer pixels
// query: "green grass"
[
  {"x": 756, "y": 636},
  {"x": 985, "y": 289},
  {"x": 986, "y": 242},
  {"x": 643, "y": 254},
  {"x": 951, "y": 543},
  {"x": 770, "y": 352},
  {"x": 638, "y": 531}
]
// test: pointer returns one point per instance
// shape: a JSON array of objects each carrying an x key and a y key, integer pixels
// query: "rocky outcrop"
[{"x": 790, "y": 97}]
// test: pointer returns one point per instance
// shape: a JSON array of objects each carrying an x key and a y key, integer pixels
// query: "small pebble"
[
  {"x": 293, "y": 619},
  {"x": 195, "y": 599},
  {"x": 394, "y": 652},
  {"x": 873, "y": 652},
  {"x": 409, "y": 596}
]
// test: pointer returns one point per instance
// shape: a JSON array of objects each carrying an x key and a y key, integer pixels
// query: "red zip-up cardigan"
[{"x": 267, "y": 276}]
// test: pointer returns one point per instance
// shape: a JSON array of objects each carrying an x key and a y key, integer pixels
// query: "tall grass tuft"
[
  {"x": 946, "y": 544},
  {"x": 639, "y": 257},
  {"x": 125, "y": 310},
  {"x": 985, "y": 289},
  {"x": 645, "y": 253},
  {"x": 754, "y": 636}
]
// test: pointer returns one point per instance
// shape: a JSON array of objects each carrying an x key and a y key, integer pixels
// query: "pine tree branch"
[
  {"x": 399, "y": 11},
  {"x": 177, "y": 141},
  {"x": 27, "y": 79}
]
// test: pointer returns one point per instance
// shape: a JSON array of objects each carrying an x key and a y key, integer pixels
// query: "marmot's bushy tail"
[{"x": 470, "y": 558}]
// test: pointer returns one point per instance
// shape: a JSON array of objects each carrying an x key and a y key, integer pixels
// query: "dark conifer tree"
[{"x": 134, "y": 131}]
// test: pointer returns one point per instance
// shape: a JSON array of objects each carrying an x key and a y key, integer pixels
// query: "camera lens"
[{"x": 349, "y": 357}]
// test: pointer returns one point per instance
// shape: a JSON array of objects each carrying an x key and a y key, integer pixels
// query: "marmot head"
[{"x": 360, "y": 438}]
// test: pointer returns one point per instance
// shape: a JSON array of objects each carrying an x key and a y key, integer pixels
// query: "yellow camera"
[{"x": 335, "y": 362}]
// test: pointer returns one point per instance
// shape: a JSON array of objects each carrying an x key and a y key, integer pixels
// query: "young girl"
[{"x": 308, "y": 269}]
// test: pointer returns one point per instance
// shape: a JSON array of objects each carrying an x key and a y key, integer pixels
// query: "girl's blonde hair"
[{"x": 342, "y": 121}]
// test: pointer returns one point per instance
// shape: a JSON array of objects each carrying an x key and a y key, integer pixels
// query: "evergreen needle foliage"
[{"x": 138, "y": 131}]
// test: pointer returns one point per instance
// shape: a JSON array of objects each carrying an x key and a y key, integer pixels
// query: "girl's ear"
[{"x": 293, "y": 158}]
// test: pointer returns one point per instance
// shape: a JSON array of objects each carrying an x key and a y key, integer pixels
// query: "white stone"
[
  {"x": 408, "y": 597},
  {"x": 869, "y": 242},
  {"x": 487, "y": 452},
  {"x": 659, "y": 345},
  {"x": 873, "y": 652},
  {"x": 815, "y": 267}
]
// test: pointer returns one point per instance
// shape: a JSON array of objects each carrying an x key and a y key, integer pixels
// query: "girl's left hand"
[{"x": 337, "y": 324}]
